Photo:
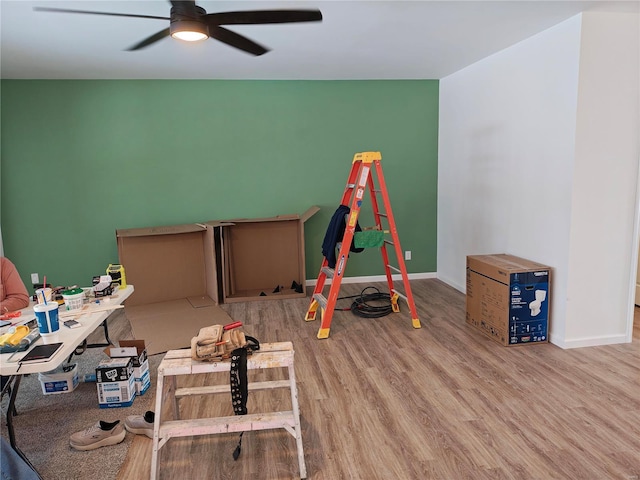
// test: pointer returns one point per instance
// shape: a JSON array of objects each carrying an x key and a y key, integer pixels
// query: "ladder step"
[
  {"x": 397, "y": 270},
  {"x": 328, "y": 271},
  {"x": 212, "y": 389},
  {"x": 237, "y": 423},
  {"x": 400, "y": 295},
  {"x": 382, "y": 214},
  {"x": 321, "y": 299},
  {"x": 388, "y": 242}
]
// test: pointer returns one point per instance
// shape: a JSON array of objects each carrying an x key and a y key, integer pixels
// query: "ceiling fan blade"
[
  {"x": 235, "y": 40},
  {"x": 149, "y": 40},
  {"x": 253, "y": 17},
  {"x": 63, "y": 10}
]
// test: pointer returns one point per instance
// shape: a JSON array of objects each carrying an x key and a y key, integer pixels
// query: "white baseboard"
[
  {"x": 589, "y": 341},
  {"x": 377, "y": 278},
  {"x": 451, "y": 283}
]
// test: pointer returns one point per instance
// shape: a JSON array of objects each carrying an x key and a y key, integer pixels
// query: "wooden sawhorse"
[{"x": 179, "y": 362}]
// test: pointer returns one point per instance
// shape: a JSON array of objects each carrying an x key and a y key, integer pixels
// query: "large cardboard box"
[
  {"x": 168, "y": 263},
  {"x": 508, "y": 298},
  {"x": 182, "y": 272},
  {"x": 173, "y": 270},
  {"x": 262, "y": 258},
  {"x": 225, "y": 260}
]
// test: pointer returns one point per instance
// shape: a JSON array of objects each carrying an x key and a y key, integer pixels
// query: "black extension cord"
[{"x": 362, "y": 308}]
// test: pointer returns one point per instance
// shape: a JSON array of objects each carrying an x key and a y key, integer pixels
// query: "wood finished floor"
[{"x": 381, "y": 400}]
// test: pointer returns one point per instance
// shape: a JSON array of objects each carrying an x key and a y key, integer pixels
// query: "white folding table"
[{"x": 91, "y": 316}]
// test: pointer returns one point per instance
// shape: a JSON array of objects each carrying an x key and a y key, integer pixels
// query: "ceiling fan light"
[
  {"x": 189, "y": 36},
  {"x": 189, "y": 31}
]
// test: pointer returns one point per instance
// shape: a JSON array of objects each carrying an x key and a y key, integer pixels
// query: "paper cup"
[
  {"x": 43, "y": 293},
  {"x": 47, "y": 317}
]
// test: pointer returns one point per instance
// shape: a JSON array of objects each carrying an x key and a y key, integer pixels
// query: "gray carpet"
[{"x": 45, "y": 422}]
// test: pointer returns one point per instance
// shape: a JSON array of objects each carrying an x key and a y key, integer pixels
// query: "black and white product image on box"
[{"x": 529, "y": 307}]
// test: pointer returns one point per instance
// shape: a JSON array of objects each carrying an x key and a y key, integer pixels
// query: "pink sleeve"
[{"x": 13, "y": 293}]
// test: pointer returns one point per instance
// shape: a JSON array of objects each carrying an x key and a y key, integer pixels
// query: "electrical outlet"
[
  {"x": 35, "y": 278},
  {"x": 407, "y": 255}
]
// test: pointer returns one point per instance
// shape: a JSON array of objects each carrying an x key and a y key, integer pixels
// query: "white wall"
[
  {"x": 516, "y": 163},
  {"x": 605, "y": 181},
  {"x": 506, "y": 149}
]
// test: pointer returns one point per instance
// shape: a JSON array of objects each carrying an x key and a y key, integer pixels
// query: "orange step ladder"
[{"x": 361, "y": 179}]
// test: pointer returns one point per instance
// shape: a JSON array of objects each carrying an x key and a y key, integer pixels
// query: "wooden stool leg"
[
  {"x": 171, "y": 393},
  {"x": 156, "y": 427},
  {"x": 296, "y": 416}
]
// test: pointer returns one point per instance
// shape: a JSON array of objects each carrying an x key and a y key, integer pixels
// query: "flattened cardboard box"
[
  {"x": 508, "y": 298},
  {"x": 171, "y": 325},
  {"x": 181, "y": 272}
]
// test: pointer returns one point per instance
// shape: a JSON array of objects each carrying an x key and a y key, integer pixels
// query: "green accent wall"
[{"x": 83, "y": 158}]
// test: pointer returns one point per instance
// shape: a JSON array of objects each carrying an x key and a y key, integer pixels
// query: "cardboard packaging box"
[
  {"x": 137, "y": 351},
  {"x": 508, "y": 298},
  {"x": 225, "y": 260},
  {"x": 262, "y": 258},
  {"x": 174, "y": 272},
  {"x": 59, "y": 381},
  {"x": 168, "y": 263},
  {"x": 115, "y": 383},
  {"x": 184, "y": 271}
]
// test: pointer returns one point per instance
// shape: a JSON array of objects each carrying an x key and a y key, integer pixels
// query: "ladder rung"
[
  {"x": 388, "y": 242},
  {"x": 321, "y": 299},
  {"x": 397, "y": 270},
  {"x": 328, "y": 271},
  {"x": 213, "y": 389},
  {"x": 400, "y": 295},
  {"x": 238, "y": 423},
  {"x": 351, "y": 185},
  {"x": 382, "y": 214}
]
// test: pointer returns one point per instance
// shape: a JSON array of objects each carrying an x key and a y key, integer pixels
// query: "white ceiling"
[{"x": 355, "y": 40}]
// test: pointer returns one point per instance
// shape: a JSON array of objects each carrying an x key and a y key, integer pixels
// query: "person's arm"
[{"x": 13, "y": 293}]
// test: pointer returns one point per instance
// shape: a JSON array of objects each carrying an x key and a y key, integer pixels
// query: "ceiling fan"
[{"x": 192, "y": 23}]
